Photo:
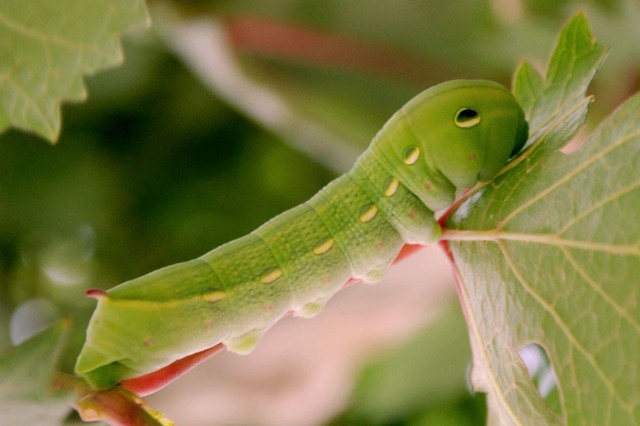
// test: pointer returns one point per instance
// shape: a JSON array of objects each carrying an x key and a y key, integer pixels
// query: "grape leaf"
[
  {"x": 26, "y": 374},
  {"x": 46, "y": 47},
  {"x": 549, "y": 253}
]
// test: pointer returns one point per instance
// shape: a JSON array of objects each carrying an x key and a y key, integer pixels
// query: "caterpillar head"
[{"x": 468, "y": 129}]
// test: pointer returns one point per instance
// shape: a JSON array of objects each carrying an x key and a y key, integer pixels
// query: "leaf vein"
[
  {"x": 567, "y": 177},
  {"x": 475, "y": 333},
  {"x": 594, "y": 285},
  {"x": 563, "y": 326},
  {"x": 40, "y": 37},
  {"x": 586, "y": 212},
  {"x": 549, "y": 239}
]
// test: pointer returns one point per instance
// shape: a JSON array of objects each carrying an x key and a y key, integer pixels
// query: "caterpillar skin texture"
[{"x": 446, "y": 139}]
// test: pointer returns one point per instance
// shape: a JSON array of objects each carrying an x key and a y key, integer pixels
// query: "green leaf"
[
  {"x": 549, "y": 253},
  {"x": 570, "y": 71},
  {"x": 47, "y": 46},
  {"x": 26, "y": 375},
  {"x": 529, "y": 86}
]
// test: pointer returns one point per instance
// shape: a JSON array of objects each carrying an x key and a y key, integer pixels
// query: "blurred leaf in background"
[{"x": 26, "y": 374}]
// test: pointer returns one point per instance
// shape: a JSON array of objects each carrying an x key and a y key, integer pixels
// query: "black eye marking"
[{"x": 467, "y": 117}]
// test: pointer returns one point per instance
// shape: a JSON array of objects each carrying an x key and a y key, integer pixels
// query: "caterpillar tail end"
[{"x": 104, "y": 377}]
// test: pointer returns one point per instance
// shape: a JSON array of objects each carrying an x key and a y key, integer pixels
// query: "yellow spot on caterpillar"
[
  {"x": 368, "y": 213},
  {"x": 271, "y": 275},
  {"x": 148, "y": 342},
  {"x": 411, "y": 155},
  {"x": 214, "y": 296},
  {"x": 323, "y": 246},
  {"x": 392, "y": 187}
]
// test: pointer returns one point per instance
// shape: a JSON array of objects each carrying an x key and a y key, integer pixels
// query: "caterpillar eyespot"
[
  {"x": 411, "y": 155},
  {"x": 214, "y": 296},
  {"x": 368, "y": 213},
  {"x": 353, "y": 227},
  {"x": 391, "y": 187},
  {"x": 323, "y": 246},
  {"x": 271, "y": 275},
  {"x": 467, "y": 117}
]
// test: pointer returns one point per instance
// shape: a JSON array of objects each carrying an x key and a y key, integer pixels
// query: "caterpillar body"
[{"x": 446, "y": 139}]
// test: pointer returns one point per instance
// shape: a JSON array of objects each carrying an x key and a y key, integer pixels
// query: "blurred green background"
[{"x": 201, "y": 136}]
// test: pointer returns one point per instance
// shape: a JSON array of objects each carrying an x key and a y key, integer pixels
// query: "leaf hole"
[{"x": 541, "y": 372}]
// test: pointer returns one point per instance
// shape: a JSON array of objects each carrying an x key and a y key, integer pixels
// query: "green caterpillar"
[{"x": 444, "y": 140}]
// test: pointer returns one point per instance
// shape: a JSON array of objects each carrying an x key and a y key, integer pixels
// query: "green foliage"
[
  {"x": 548, "y": 253},
  {"x": 26, "y": 377},
  {"x": 46, "y": 48}
]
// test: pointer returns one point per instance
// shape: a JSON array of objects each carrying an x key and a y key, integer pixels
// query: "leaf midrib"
[{"x": 547, "y": 239}]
